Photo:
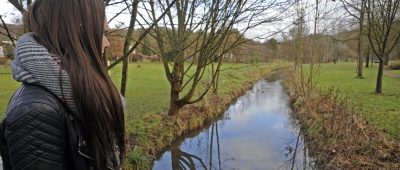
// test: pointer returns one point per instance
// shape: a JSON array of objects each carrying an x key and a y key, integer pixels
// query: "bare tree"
[
  {"x": 298, "y": 33},
  {"x": 368, "y": 57},
  {"x": 19, "y": 5},
  {"x": 127, "y": 44},
  {"x": 356, "y": 8},
  {"x": 194, "y": 36},
  {"x": 7, "y": 31},
  {"x": 383, "y": 31},
  {"x": 143, "y": 35},
  {"x": 314, "y": 66}
]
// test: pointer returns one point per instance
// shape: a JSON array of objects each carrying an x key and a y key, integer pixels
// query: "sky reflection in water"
[{"x": 257, "y": 132}]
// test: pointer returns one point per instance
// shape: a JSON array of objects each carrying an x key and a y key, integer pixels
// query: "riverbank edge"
[
  {"x": 191, "y": 119},
  {"x": 336, "y": 134}
]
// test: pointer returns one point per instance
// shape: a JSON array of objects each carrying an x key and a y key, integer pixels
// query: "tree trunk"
[
  {"x": 127, "y": 47},
  {"x": 378, "y": 88},
  {"x": 360, "y": 58},
  {"x": 175, "y": 87},
  {"x": 372, "y": 61},
  {"x": 386, "y": 60},
  {"x": 124, "y": 76},
  {"x": 367, "y": 61},
  {"x": 215, "y": 82},
  {"x": 173, "y": 105},
  {"x": 360, "y": 67}
]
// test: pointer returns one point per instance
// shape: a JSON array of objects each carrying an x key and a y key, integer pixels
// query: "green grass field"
[
  {"x": 383, "y": 111},
  {"x": 148, "y": 91},
  {"x": 148, "y": 88},
  {"x": 7, "y": 87}
]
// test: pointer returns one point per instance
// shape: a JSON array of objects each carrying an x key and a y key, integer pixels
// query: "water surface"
[{"x": 256, "y": 132}]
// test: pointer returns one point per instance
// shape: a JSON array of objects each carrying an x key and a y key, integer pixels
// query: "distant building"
[
  {"x": 7, "y": 49},
  {"x": 6, "y": 45}
]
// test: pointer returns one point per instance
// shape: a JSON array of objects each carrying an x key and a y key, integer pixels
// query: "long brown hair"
[{"x": 73, "y": 30}]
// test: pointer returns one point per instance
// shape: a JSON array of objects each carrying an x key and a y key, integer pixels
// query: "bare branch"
[
  {"x": 140, "y": 38},
  {"x": 8, "y": 32}
]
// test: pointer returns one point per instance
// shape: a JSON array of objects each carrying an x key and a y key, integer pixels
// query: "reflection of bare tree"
[
  {"x": 183, "y": 160},
  {"x": 201, "y": 149},
  {"x": 219, "y": 153},
  {"x": 291, "y": 154},
  {"x": 295, "y": 150},
  {"x": 211, "y": 145},
  {"x": 304, "y": 158},
  {"x": 214, "y": 126}
]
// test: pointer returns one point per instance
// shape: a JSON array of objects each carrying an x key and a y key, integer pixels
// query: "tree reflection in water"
[
  {"x": 291, "y": 154},
  {"x": 249, "y": 136},
  {"x": 183, "y": 160}
]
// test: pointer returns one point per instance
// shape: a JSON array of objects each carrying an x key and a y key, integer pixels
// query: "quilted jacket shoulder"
[{"x": 34, "y": 133}]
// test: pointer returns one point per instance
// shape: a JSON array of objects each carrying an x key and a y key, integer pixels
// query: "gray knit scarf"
[{"x": 34, "y": 64}]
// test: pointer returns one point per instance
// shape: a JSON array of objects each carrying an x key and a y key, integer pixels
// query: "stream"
[{"x": 256, "y": 132}]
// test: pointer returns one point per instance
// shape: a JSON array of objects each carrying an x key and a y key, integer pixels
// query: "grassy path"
[{"x": 392, "y": 73}]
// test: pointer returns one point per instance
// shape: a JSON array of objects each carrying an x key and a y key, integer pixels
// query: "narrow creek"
[{"x": 256, "y": 132}]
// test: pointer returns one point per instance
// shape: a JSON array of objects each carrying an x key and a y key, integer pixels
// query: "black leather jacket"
[{"x": 39, "y": 133}]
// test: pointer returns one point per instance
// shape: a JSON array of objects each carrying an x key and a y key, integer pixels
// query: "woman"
[{"x": 67, "y": 114}]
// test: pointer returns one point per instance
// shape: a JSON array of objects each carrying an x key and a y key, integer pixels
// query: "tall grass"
[
  {"x": 337, "y": 135},
  {"x": 383, "y": 111}
]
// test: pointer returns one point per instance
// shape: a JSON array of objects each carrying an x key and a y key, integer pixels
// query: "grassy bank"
[
  {"x": 340, "y": 132},
  {"x": 383, "y": 111}
]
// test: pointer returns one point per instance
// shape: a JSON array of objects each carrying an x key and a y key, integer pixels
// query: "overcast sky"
[{"x": 329, "y": 22}]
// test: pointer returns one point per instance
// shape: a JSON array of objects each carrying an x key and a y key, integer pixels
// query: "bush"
[
  {"x": 138, "y": 160},
  {"x": 395, "y": 65}
]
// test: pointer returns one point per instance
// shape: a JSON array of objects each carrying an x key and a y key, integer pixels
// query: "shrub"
[
  {"x": 138, "y": 159},
  {"x": 395, "y": 65}
]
